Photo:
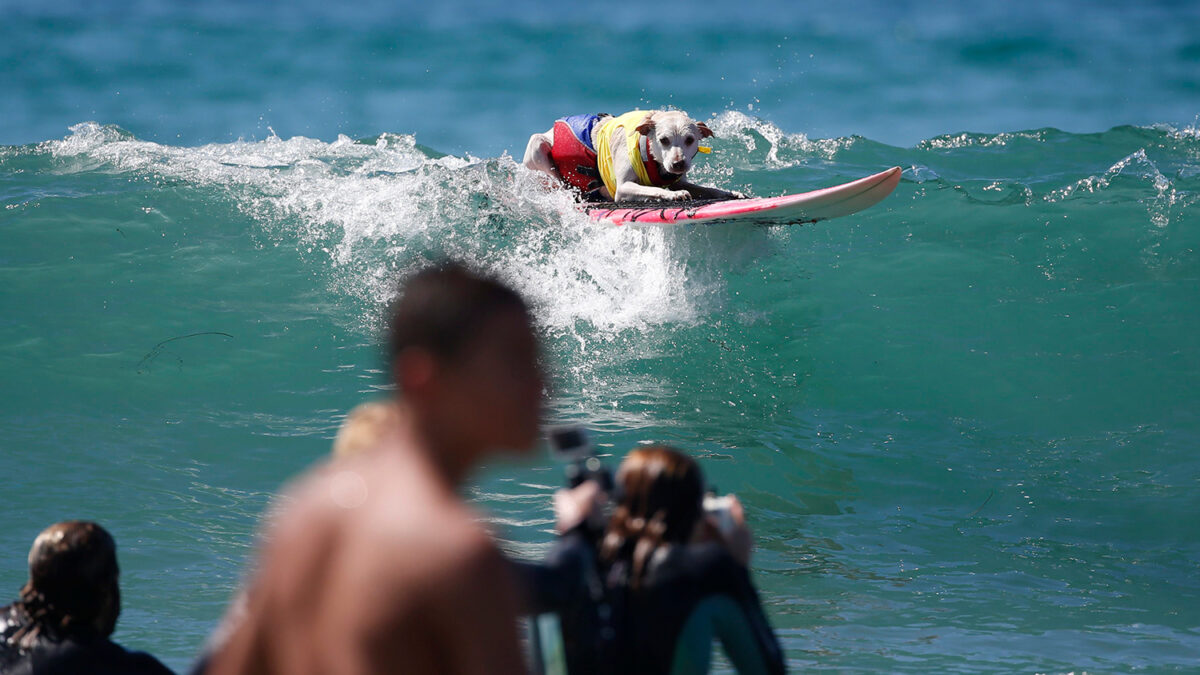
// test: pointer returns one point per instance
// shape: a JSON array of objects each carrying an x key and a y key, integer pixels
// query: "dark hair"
[
  {"x": 72, "y": 588},
  {"x": 442, "y": 307},
  {"x": 660, "y": 491}
]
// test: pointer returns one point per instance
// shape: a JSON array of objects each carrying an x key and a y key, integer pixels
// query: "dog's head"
[{"x": 674, "y": 138}]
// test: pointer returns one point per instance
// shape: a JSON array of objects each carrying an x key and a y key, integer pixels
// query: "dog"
[{"x": 638, "y": 156}]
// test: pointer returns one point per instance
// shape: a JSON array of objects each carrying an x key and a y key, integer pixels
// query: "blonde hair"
[{"x": 364, "y": 428}]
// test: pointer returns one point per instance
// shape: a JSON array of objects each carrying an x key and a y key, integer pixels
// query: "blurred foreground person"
[
  {"x": 363, "y": 430},
  {"x": 69, "y": 608},
  {"x": 376, "y": 564}
]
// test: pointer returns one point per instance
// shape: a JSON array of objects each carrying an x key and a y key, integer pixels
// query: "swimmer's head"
[
  {"x": 661, "y": 492},
  {"x": 663, "y": 482},
  {"x": 463, "y": 351},
  {"x": 72, "y": 585}
]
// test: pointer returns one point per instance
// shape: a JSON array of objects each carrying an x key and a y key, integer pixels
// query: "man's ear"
[
  {"x": 413, "y": 369},
  {"x": 646, "y": 128},
  {"x": 705, "y": 132}
]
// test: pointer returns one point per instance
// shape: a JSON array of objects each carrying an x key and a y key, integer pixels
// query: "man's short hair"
[{"x": 443, "y": 307}]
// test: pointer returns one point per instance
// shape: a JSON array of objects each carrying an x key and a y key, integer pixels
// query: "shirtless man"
[{"x": 376, "y": 564}]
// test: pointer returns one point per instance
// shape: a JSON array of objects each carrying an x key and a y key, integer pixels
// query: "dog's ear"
[
  {"x": 705, "y": 132},
  {"x": 646, "y": 127}
]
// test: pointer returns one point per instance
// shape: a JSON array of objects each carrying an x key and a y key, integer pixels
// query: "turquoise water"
[{"x": 964, "y": 422}]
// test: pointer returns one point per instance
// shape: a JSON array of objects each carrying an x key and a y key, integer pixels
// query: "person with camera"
[{"x": 650, "y": 589}]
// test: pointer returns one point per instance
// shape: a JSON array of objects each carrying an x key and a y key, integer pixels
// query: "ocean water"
[{"x": 964, "y": 422}]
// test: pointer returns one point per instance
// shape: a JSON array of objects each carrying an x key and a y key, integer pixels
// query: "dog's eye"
[
  {"x": 666, "y": 142},
  {"x": 689, "y": 140}
]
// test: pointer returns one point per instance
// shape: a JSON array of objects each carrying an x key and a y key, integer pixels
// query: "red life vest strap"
[{"x": 575, "y": 161}]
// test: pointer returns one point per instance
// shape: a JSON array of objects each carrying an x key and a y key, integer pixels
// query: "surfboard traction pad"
[{"x": 683, "y": 210}]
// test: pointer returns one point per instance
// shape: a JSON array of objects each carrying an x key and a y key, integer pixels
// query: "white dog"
[{"x": 639, "y": 156}]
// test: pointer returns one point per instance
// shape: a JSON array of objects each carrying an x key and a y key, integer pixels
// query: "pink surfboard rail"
[{"x": 806, "y": 207}]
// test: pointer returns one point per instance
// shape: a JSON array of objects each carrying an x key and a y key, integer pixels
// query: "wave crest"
[
  {"x": 767, "y": 146},
  {"x": 378, "y": 208}
]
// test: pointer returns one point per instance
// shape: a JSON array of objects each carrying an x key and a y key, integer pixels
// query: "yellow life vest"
[{"x": 629, "y": 121}]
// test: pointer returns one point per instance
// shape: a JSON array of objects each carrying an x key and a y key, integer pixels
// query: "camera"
[{"x": 571, "y": 444}]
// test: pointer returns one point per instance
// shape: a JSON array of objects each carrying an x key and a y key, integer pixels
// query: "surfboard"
[{"x": 805, "y": 207}]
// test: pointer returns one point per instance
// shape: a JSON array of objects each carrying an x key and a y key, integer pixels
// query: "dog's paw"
[{"x": 677, "y": 195}]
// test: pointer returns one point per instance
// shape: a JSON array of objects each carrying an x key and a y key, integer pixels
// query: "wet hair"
[
  {"x": 72, "y": 589},
  {"x": 443, "y": 307},
  {"x": 661, "y": 491}
]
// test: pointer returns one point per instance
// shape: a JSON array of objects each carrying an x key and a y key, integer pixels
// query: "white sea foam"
[
  {"x": 1137, "y": 165},
  {"x": 966, "y": 140},
  {"x": 777, "y": 148},
  {"x": 374, "y": 210}
]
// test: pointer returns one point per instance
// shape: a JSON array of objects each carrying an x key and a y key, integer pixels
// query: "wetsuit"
[
  {"x": 56, "y": 655},
  {"x": 689, "y": 596}
]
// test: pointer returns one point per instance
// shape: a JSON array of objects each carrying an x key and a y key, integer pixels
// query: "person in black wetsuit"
[
  {"x": 68, "y": 609},
  {"x": 651, "y": 591}
]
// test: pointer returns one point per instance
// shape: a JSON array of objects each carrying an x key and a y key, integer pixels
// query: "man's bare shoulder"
[
  {"x": 367, "y": 552},
  {"x": 387, "y": 516}
]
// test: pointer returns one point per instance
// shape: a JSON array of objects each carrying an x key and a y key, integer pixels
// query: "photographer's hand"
[
  {"x": 575, "y": 505},
  {"x": 739, "y": 540}
]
